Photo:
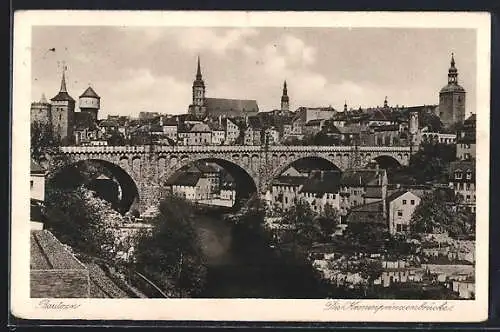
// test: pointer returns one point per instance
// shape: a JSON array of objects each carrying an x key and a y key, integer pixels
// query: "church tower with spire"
[
  {"x": 63, "y": 112},
  {"x": 198, "y": 106},
  {"x": 285, "y": 101},
  {"x": 452, "y": 98}
]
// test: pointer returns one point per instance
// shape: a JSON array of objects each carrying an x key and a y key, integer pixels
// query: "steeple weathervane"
[
  {"x": 198, "y": 71},
  {"x": 452, "y": 72}
]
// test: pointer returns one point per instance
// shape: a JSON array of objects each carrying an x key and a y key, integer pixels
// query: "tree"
[
  {"x": 328, "y": 219},
  {"x": 430, "y": 163},
  {"x": 172, "y": 257},
  {"x": 370, "y": 270},
  {"x": 85, "y": 222},
  {"x": 306, "y": 228},
  {"x": 437, "y": 213},
  {"x": 43, "y": 141},
  {"x": 116, "y": 139}
]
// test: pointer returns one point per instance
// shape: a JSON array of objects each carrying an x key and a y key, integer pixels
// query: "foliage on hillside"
[{"x": 172, "y": 257}]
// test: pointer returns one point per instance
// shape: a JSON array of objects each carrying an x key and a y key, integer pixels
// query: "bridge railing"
[{"x": 222, "y": 149}]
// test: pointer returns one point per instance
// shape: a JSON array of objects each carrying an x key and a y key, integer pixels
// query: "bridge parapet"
[{"x": 222, "y": 149}]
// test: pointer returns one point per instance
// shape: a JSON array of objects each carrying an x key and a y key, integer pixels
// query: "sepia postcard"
[{"x": 250, "y": 166}]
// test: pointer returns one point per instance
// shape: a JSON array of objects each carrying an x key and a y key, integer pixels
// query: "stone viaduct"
[{"x": 148, "y": 167}]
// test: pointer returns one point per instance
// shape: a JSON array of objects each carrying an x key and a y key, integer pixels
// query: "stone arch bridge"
[{"x": 150, "y": 166}]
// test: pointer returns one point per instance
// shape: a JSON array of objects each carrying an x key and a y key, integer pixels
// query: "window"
[
  {"x": 286, "y": 200},
  {"x": 412, "y": 202},
  {"x": 467, "y": 186},
  {"x": 467, "y": 197},
  {"x": 400, "y": 213},
  {"x": 458, "y": 175},
  {"x": 31, "y": 184},
  {"x": 404, "y": 201},
  {"x": 398, "y": 227},
  {"x": 469, "y": 175}
]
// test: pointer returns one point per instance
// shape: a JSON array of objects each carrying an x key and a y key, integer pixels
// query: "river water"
[{"x": 254, "y": 271}]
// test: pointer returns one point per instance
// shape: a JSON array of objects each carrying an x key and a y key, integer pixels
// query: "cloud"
[
  {"x": 298, "y": 51},
  {"x": 219, "y": 42},
  {"x": 143, "y": 91}
]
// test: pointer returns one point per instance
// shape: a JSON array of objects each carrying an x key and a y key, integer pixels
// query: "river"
[{"x": 237, "y": 270}]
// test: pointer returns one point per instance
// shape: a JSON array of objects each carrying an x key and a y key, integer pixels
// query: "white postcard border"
[{"x": 23, "y": 306}]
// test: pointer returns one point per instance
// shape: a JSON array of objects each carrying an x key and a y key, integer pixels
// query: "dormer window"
[
  {"x": 468, "y": 175},
  {"x": 458, "y": 175}
]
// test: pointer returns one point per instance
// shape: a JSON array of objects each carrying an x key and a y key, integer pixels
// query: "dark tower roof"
[
  {"x": 63, "y": 93},
  {"x": 452, "y": 85},
  {"x": 345, "y": 106},
  {"x": 385, "y": 102},
  {"x": 90, "y": 93},
  {"x": 199, "y": 79}
]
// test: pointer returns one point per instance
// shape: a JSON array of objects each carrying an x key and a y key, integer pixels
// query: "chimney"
[
  {"x": 220, "y": 120},
  {"x": 161, "y": 120}
]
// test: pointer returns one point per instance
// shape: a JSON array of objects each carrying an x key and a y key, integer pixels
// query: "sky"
[{"x": 136, "y": 69}]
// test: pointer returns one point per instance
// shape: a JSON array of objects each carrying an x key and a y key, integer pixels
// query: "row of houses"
[
  {"x": 360, "y": 195},
  {"x": 203, "y": 182},
  {"x": 373, "y": 126}
]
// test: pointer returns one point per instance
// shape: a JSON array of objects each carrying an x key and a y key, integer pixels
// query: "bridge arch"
[
  {"x": 318, "y": 162},
  {"x": 388, "y": 161},
  {"x": 246, "y": 183},
  {"x": 85, "y": 172}
]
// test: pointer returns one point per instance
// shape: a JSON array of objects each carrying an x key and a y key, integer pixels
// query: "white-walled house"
[
  {"x": 401, "y": 206},
  {"x": 320, "y": 189},
  {"x": 37, "y": 182},
  {"x": 37, "y": 195}
]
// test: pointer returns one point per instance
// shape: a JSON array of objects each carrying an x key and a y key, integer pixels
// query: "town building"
[
  {"x": 285, "y": 190},
  {"x": 442, "y": 138},
  {"x": 398, "y": 272},
  {"x": 202, "y": 106},
  {"x": 232, "y": 131},
  {"x": 321, "y": 188},
  {"x": 199, "y": 134},
  {"x": 37, "y": 195},
  {"x": 190, "y": 185},
  {"x": 466, "y": 141},
  {"x": 253, "y": 131},
  {"x": 355, "y": 184},
  {"x": 170, "y": 128},
  {"x": 37, "y": 182},
  {"x": 372, "y": 213},
  {"x": 452, "y": 98},
  {"x": 401, "y": 206},
  {"x": 313, "y": 127},
  {"x": 272, "y": 135},
  {"x": 462, "y": 179},
  {"x": 218, "y": 133}
]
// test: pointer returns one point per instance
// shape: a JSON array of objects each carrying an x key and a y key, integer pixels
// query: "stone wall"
[{"x": 60, "y": 283}]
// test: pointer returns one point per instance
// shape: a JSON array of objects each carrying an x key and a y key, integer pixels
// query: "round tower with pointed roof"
[
  {"x": 40, "y": 111},
  {"x": 90, "y": 102},
  {"x": 452, "y": 98}
]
